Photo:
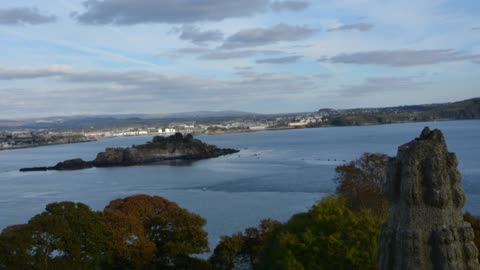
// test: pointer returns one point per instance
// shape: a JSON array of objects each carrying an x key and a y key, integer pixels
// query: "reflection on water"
[{"x": 174, "y": 162}]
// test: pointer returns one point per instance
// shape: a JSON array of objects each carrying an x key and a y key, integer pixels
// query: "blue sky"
[{"x": 70, "y": 57}]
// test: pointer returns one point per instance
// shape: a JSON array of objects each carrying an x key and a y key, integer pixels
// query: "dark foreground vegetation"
[{"x": 149, "y": 232}]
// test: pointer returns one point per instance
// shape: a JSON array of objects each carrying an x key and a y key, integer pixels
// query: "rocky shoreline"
[{"x": 160, "y": 149}]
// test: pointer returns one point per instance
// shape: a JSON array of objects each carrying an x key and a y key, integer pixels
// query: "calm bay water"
[{"x": 276, "y": 174}]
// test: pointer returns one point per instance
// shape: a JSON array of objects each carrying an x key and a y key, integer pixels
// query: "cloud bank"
[
  {"x": 264, "y": 36},
  {"x": 280, "y": 60},
  {"x": 197, "y": 36},
  {"x": 403, "y": 58},
  {"x": 374, "y": 85},
  {"x": 289, "y": 5},
  {"x": 128, "y": 12},
  {"x": 32, "y": 16},
  {"x": 363, "y": 27},
  {"x": 142, "y": 90}
]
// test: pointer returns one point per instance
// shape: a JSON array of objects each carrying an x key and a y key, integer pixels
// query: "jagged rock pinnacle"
[{"x": 425, "y": 228}]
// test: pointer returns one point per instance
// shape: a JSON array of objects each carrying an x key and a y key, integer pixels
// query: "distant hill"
[
  {"x": 467, "y": 109},
  {"x": 405, "y": 108},
  {"x": 462, "y": 110},
  {"x": 194, "y": 114},
  {"x": 118, "y": 121},
  {"x": 204, "y": 114}
]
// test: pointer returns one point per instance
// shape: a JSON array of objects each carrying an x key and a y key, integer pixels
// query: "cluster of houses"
[
  {"x": 292, "y": 121},
  {"x": 10, "y": 139},
  {"x": 27, "y": 138},
  {"x": 304, "y": 121},
  {"x": 131, "y": 133},
  {"x": 134, "y": 132}
]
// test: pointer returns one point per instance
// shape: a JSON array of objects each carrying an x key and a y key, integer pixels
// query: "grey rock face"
[{"x": 425, "y": 229}]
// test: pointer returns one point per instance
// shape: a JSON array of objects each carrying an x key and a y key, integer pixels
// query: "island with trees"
[{"x": 160, "y": 150}]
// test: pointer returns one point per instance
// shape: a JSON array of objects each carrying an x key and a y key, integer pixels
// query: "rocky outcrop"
[
  {"x": 160, "y": 149},
  {"x": 175, "y": 147},
  {"x": 73, "y": 164},
  {"x": 67, "y": 165},
  {"x": 425, "y": 229}
]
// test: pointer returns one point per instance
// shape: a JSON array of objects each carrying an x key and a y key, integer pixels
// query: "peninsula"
[{"x": 160, "y": 149}]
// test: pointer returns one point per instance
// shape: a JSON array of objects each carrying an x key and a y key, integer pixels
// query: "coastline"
[
  {"x": 46, "y": 144},
  {"x": 236, "y": 131}
]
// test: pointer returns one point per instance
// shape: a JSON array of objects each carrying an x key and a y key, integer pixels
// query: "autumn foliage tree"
[
  {"x": 150, "y": 231},
  {"x": 362, "y": 183}
]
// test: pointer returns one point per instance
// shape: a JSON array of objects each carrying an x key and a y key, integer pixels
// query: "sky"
[{"x": 85, "y": 57}]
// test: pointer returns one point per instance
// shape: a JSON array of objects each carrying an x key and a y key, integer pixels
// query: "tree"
[
  {"x": 329, "y": 236},
  {"x": 243, "y": 250},
  {"x": 150, "y": 231},
  {"x": 362, "y": 183},
  {"x": 15, "y": 242},
  {"x": 255, "y": 239},
  {"x": 228, "y": 252},
  {"x": 178, "y": 136},
  {"x": 66, "y": 235}
]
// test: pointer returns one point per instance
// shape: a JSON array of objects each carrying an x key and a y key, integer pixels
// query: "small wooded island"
[{"x": 160, "y": 149}]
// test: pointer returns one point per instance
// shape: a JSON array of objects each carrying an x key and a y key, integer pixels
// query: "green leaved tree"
[
  {"x": 243, "y": 250},
  {"x": 329, "y": 236},
  {"x": 66, "y": 235}
]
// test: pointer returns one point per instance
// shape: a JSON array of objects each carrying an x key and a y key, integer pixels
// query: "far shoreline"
[
  {"x": 44, "y": 145},
  {"x": 239, "y": 132}
]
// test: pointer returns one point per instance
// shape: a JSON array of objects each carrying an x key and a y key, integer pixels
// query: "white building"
[
  {"x": 166, "y": 131},
  {"x": 297, "y": 124},
  {"x": 258, "y": 127}
]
